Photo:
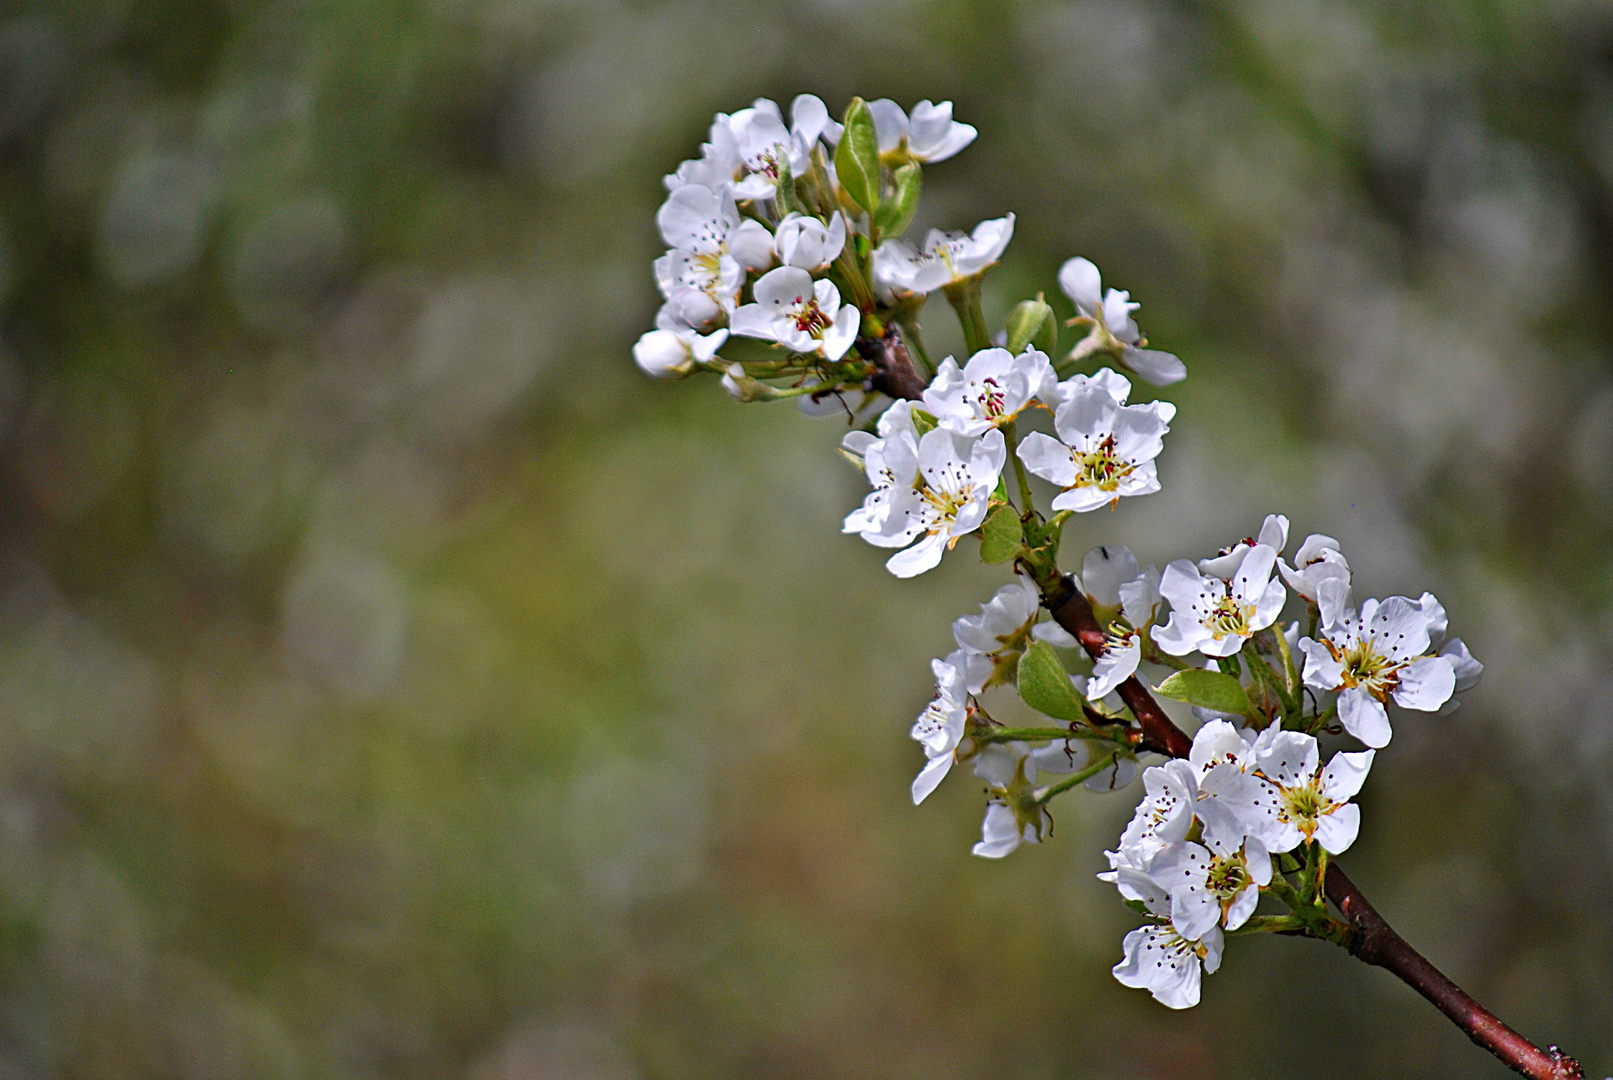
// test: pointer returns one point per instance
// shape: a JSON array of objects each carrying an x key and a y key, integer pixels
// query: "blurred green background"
[{"x": 394, "y": 683}]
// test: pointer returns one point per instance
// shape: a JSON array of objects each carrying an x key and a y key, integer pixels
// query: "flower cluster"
[{"x": 786, "y": 254}]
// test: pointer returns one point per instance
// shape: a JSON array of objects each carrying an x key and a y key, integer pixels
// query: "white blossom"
[
  {"x": 800, "y": 314},
  {"x": 891, "y": 463},
  {"x": 1381, "y": 652},
  {"x": 946, "y": 258},
  {"x": 1317, "y": 560},
  {"x": 948, "y": 500},
  {"x": 745, "y": 151},
  {"x": 699, "y": 277},
  {"x": 989, "y": 390},
  {"x": 931, "y": 133},
  {"x": 940, "y": 727},
  {"x": 1214, "y": 616},
  {"x": 1164, "y": 815},
  {"x": 809, "y": 243},
  {"x": 1161, "y": 959},
  {"x": 1218, "y": 884},
  {"x": 667, "y": 354},
  {"x": 1224, "y": 564},
  {"x": 1105, "y": 449},
  {"x": 1288, "y": 798},
  {"x": 1111, "y": 314},
  {"x": 1006, "y": 625}
]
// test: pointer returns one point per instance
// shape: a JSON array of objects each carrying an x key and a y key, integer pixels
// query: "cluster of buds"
[{"x": 789, "y": 277}]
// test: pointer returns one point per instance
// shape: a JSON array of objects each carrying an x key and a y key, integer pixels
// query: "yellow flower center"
[
  {"x": 1100, "y": 468},
  {"x": 1367, "y": 668},
  {"x": 1227, "y": 616}
]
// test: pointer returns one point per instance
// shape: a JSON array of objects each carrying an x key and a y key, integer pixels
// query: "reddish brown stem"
[
  {"x": 1373, "y": 939},
  {"x": 1072, "y": 611},
  {"x": 1376, "y": 942}
]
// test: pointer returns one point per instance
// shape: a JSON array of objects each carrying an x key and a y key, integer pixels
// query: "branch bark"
[
  {"x": 894, "y": 372},
  {"x": 1373, "y": 940},
  {"x": 1376, "y": 943}
]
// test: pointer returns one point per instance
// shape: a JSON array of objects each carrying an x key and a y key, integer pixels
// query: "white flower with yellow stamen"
[
  {"x": 1288, "y": 798},
  {"x": 929, "y": 135},
  {"x": 1105, "y": 449},
  {"x": 948, "y": 499},
  {"x": 1214, "y": 616},
  {"x": 800, "y": 314},
  {"x": 990, "y": 390},
  {"x": 946, "y": 258},
  {"x": 699, "y": 277},
  {"x": 1210, "y": 885},
  {"x": 1162, "y": 958},
  {"x": 1383, "y": 651}
]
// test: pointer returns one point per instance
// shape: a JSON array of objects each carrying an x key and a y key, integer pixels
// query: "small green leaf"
[
  {"x": 1000, "y": 535},
  {"x": 857, "y": 157},
  {"x": 896, "y": 209},
  {"x": 1032, "y": 323},
  {"x": 923, "y": 422},
  {"x": 1212, "y": 690},
  {"x": 1046, "y": 686}
]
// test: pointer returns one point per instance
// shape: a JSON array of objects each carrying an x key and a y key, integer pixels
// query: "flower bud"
[
  {"x": 663, "y": 354},
  {"x": 751, "y": 245},
  {"x": 1032, "y": 323},
  {"x": 808, "y": 243},
  {"x": 744, "y": 388}
]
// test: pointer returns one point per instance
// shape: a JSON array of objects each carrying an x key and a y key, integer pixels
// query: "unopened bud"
[
  {"x": 663, "y": 354},
  {"x": 896, "y": 209},
  {"x": 1032, "y": 323},
  {"x": 744, "y": 388}
]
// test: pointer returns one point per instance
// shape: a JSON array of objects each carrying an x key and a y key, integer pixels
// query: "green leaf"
[
  {"x": 1032, "y": 323},
  {"x": 923, "y": 422},
  {"x": 857, "y": 157},
  {"x": 1212, "y": 690},
  {"x": 1000, "y": 535},
  {"x": 896, "y": 209},
  {"x": 1046, "y": 686}
]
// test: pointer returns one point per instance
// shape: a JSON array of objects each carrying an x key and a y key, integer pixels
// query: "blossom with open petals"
[
  {"x": 997, "y": 637},
  {"x": 1209, "y": 885},
  {"x": 803, "y": 315},
  {"x": 1105, "y": 449},
  {"x": 1214, "y": 616},
  {"x": 930, "y": 133},
  {"x": 1289, "y": 798},
  {"x": 1110, "y": 315},
  {"x": 1160, "y": 957},
  {"x": 891, "y": 462},
  {"x": 1317, "y": 560},
  {"x": 1382, "y": 651},
  {"x": 948, "y": 499},
  {"x": 940, "y": 727},
  {"x": 945, "y": 258},
  {"x": 989, "y": 390}
]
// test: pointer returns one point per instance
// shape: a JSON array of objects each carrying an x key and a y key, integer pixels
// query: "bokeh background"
[{"x": 394, "y": 683}]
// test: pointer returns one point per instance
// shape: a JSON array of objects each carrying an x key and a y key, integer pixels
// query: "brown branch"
[
  {"x": 1376, "y": 943},
  {"x": 1373, "y": 940},
  {"x": 894, "y": 373},
  {"x": 1072, "y": 611}
]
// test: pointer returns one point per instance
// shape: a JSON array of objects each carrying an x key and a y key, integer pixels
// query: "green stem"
[
  {"x": 1077, "y": 778},
  {"x": 964, "y": 296},
  {"x": 1027, "y": 501},
  {"x": 1032, "y": 734},
  {"x": 1270, "y": 924},
  {"x": 1282, "y": 890}
]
